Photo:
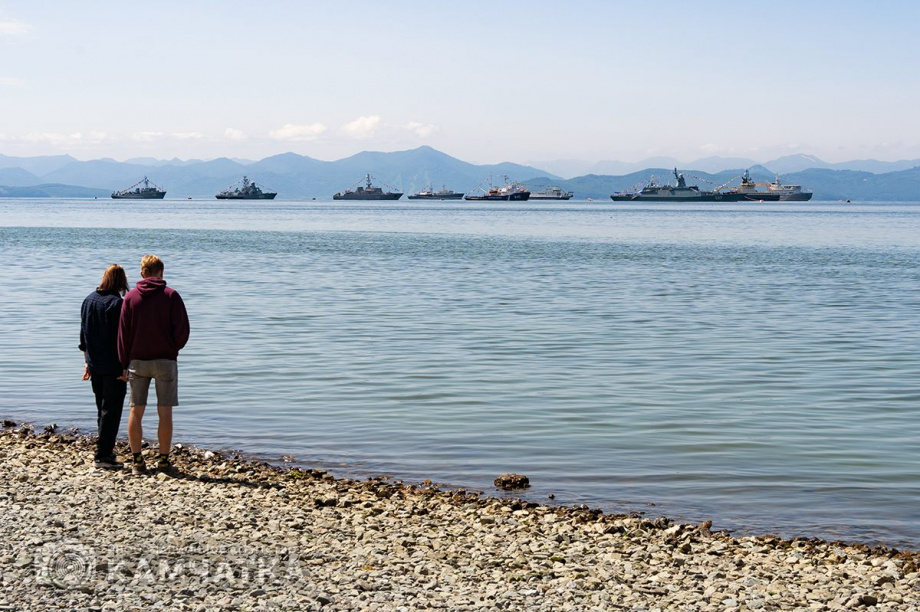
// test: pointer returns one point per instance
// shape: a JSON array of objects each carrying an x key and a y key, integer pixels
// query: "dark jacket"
[
  {"x": 99, "y": 332},
  {"x": 154, "y": 324}
]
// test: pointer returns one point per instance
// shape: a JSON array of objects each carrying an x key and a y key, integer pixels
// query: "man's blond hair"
[{"x": 151, "y": 265}]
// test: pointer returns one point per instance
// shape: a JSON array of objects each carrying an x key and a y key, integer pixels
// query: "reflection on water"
[{"x": 757, "y": 365}]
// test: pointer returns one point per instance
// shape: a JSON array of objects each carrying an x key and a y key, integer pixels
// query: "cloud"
[
  {"x": 362, "y": 127},
  {"x": 422, "y": 130},
  {"x": 291, "y": 131},
  {"x": 14, "y": 28},
  {"x": 234, "y": 134},
  {"x": 187, "y": 135},
  {"x": 11, "y": 82},
  {"x": 56, "y": 139},
  {"x": 146, "y": 136}
]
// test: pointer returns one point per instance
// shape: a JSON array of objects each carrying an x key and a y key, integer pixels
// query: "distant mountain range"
[
  {"x": 296, "y": 176},
  {"x": 784, "y": 165}
]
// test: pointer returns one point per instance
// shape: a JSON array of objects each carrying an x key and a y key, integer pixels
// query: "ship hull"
[
  {"x": 448, "y": 196},
  {"x": 262, "y": 196},
  {"x": 539, "y": 197},
  {"x": 510, "y": 197},
  {"x": 795, "y": 197},
  {"x": 139, "y": 196},
  {"x": 706, "y": 197},
  {"x": 376, "y": 196}
]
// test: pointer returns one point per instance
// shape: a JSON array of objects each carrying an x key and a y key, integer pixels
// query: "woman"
[{"x": 99, "y": 343}]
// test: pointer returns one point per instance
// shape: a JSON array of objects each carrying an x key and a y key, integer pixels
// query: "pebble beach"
[{"x": 226, "y": 533}]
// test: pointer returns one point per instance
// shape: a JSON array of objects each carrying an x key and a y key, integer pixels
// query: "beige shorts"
[{"x": 166, "y": 374}]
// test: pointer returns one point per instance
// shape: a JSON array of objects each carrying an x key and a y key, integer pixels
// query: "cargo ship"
[
  {"x": 367, "y": 192},
  {"x": 149, "y": 191},
  {"x": 245, "y": 190},
  {"x": 551, "y": 193},
  {"x": 441, "y": 194},
  {"x": 509, "y": 192}
]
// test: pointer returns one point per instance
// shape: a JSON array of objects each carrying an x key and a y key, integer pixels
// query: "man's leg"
[
  {"x": 135, "y": 430},
  {"x": 165, "y": 428}
]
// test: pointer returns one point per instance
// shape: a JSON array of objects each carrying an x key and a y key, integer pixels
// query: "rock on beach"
[{"x": 224, "y": 533}]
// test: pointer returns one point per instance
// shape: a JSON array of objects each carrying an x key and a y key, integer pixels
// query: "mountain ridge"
[{"x": 296, "y": 176}]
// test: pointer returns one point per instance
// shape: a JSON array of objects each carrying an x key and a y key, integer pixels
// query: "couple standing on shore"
[{"x": 133, "y": 340}]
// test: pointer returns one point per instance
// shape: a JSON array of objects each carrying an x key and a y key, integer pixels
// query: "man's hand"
[{"x": 85, "y": 371}]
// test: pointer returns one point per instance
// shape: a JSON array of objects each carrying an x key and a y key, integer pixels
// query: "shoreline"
[
  {"x": 638, "y": 509},
  {"x": 233, "y": 534}
]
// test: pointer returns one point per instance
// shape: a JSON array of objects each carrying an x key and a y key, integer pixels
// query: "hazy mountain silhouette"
[
  {"x": 782, "y": 165},
  {"x": 296, "y": 176}
]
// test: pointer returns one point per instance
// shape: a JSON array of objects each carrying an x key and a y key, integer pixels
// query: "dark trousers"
[{"x": 110, "y": 400}]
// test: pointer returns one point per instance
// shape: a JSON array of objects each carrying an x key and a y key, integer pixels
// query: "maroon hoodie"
[{"x": 154, "y": 324}]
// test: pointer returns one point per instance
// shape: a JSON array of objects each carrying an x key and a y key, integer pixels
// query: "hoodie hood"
[{"x": 150, "y": 285}]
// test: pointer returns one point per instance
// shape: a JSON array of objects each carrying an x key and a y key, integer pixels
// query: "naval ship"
[
  {"x": 653, "y": 192},
  {"x": 509, "y": 192},
  {"x": 551, "y": 193},
  {"x": 748, "y": 190},
  {"x": 245, "y": 190},
  {"x": 441, "y": 194},
  {"x": 149, "y": 191},
  {"x": 789, "y": 193},
  {"x": 368, "y": 192}
]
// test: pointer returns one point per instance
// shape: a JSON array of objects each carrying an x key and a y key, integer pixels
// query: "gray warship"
[
  {"x": 245, "y": 190},
  {"x": 441, "y": 194},
  {"x": 149, "y": 191},
  {"x": 367, "y": 192}
]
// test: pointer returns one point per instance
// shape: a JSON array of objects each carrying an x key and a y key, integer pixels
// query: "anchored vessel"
[
  {"x": 748, "y": 190},
  {"x": 367, "y": 192},
  {"x": 441, "y": 194},
  {"x": 149, "y": 191},
  {"x": 509, "y": 192},
  {"x": 551, "y": 193},
  {"x": 789, "y": 193},
  {"x": 245, "y": 190},
  {"x": 653, "y": 192}
]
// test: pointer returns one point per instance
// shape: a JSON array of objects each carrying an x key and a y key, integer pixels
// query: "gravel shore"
[{"x": 223, "y": 533}]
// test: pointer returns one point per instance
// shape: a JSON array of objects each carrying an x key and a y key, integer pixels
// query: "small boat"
[
  {"x": 367, "y": 192},
  {"x": 509, "y": 192},
  {"x": 551, "y": 193},
  {"x": 789, "y": 193},
  {"x": 441, "y": 194},
  {"x": 149, "y": 191},
  {"x": 245, "y": 190}
]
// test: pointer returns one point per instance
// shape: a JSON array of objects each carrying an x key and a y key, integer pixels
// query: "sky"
[{"x": 486, "y": 82}]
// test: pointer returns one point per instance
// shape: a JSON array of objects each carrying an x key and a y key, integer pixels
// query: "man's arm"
[
  {"x": 180, "y": 325},
  {"x": 124, "y": 335}
]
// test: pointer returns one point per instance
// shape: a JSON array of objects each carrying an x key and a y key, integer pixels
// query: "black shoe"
[
  {"x": 164, "y": 465},
  {"x": 138, "y": 467},
  {"x": 107, "y": 463}
]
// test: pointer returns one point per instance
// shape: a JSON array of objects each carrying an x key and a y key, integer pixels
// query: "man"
[
  {"x": 153, "y": 329},
  {"x": 99, "y": 318}
]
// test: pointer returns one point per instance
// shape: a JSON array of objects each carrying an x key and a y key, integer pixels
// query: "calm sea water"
[{"x": 753, "y": 364}]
